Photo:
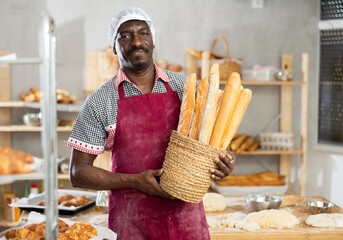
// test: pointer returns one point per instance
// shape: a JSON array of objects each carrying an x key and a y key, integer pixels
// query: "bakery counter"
[{"x": 237, "y": 206}]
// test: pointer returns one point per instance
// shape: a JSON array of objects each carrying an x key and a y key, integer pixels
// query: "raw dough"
[
  {"x": 251, "y": 227},
  {"x": 214, "y": 202},
  {"x": 232, "y": 224},
  {"x": 325, "y": 220},
  {"x": 213, "y": 223},
  {"x": 240, "y": 224},
  {"x": 226, "y": 221},
  {"x": 273, "y": 218}
]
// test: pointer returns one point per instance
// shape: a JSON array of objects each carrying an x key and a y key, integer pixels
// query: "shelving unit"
[
  {"x": 6, "y": 126},
  {"x": 286, "y": 94}
]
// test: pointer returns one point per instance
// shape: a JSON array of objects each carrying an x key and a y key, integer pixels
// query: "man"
[{"x": 133, "y": 115}]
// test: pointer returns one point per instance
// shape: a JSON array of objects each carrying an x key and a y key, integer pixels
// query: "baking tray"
[
  {"x": 29, "y": 204},
  {"x": 245, "y": 190}
]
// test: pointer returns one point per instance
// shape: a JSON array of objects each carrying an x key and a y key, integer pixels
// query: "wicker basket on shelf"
[
  {"x": 227, "y": 65},
  {"x": 186, "y": 167}
]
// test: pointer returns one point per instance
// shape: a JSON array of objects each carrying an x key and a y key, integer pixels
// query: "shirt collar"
[{"x": 159, "y": 74}]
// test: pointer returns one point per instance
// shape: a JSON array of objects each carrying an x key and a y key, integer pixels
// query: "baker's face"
[{"x": 134, "y": 45}]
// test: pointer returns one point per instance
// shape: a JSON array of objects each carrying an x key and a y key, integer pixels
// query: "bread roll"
[
  {"x": 175, "y": 68},
  {"x": 199, "y": 110},
  {"x": 231, "y": 128},
  {"x": 194, "y": 53},
  {"x": 187, "y": 105},
  {"x": 238, "y": 142},
  {"x": 230, "y": 97},
  {"x": 211, "y": 103},
  {"x": 246, "y": 144},
  {"x": 255, "y": 145}
]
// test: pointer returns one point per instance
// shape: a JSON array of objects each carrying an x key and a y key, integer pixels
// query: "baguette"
[
  {"x": 233, "y": 139},
  {"x": 219, "y": 101},
  {"x": 255, "y": 145},
  {"x": 231, "y": 128},
  {"x": 246, "y": 144},
  {"x": 211, "y": 103},
  {"x": 187, "y": 105},
  {"x": 230, "y": 97},
  {"x": 238, "y": 142},
  {"x": 199, "y": 110}
]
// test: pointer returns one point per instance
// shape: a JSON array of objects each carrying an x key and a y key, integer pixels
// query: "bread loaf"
[
  {"x": 267, "y": 178},
  {"x": 255, "y": 145},
  {"x": 231, "y": 128},
  {"x": 230, "y": 97},
  {"x": 246, "y": 144},
  {"x": 219, "y": 101},
  {"x": 211, "y": 103},
  {"x": 238, "y": 142},
  {"x": 199, "y": 110},
  {"x": 187, "y": 105}
]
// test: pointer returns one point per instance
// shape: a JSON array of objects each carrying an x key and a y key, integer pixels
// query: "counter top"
[
  {"x": 237, "y": 204},
  {"x": 300, "y": 231}
]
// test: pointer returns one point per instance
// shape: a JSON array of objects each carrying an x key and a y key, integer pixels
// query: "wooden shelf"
[
  {"x": 75, "y": 107},
  {"x": 8, "y": 179},
  {"x": 24, "y": 128},
  {"x": 265, "y": 83},
  {"x": 6, "y": 224},
  {"x": 271, "y": 152},
  {"x": 63, "y": 176},
  {"x": 22, "y": 61},
  {"x": 12, "y": 104},
  {"x": 271, "y": 83}
]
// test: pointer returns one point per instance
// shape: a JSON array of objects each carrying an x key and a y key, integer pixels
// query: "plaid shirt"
[{"x": 95, "y": 126}]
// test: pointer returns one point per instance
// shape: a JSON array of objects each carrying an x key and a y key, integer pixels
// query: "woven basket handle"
[{"x": 225, "y": 44}]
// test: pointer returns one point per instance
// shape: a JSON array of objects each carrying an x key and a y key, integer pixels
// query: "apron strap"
[{"x": 122, "y": 94}]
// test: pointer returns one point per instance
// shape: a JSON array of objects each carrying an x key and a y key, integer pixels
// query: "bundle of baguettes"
[
  {"x": 207, "y": 123},
  {"x": 214, "y": 116}
]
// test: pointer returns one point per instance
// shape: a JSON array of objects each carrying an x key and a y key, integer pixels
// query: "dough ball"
[
  {"x": 232, "y": 224},
  {"x": 273, "y": 218},
  {"x": 213, "y": 223},
  {"x": 240, "y": 224},
  {"x": 214, "y": 202},
  {"x": 226, "y": 221},
  {"x": 251, "y": 227},
  {"x": 325, "y": 220}
]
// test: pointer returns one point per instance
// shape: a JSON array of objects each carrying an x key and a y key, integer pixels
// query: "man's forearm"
[{"x": 91, "y": 177}]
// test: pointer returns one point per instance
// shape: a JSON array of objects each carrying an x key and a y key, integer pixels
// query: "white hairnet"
[{"x": 127, "y": 14}]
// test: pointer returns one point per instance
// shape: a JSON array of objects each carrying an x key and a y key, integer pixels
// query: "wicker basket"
[
  {"x": 186, "y": 167},
  {"x": 227, "y": 65}
]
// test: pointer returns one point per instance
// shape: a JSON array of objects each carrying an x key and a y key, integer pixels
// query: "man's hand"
[
  {"x": 226, "y": 164},
  {"x": 147, "y": 182}
]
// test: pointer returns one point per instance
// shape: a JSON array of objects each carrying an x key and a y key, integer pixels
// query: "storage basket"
[
  {"x": 277, "y": 141},
  {"x": 186, "y": 168},
  {"x": 227, "y": 65}
]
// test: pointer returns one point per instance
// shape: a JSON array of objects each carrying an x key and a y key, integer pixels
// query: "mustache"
[{"x": 136, "y": 49}]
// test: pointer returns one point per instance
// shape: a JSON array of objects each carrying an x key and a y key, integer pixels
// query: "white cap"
[{"x": 127, "y": 14}]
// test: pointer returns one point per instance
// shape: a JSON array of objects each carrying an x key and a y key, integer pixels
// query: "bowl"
[
  {"x": 101, "y": 201},
  {"x": 260, "y": 202},
  {"x": 32, "y": 119},
  {"x": 320, "y": 207},
  {"x": 284, "y": 75}
]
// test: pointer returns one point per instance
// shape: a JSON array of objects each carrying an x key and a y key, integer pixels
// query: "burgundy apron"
[{"x": 144, "y": 126}]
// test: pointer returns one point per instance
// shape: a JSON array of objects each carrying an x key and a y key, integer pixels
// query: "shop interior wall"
[{"x": 258, "y": 35}]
